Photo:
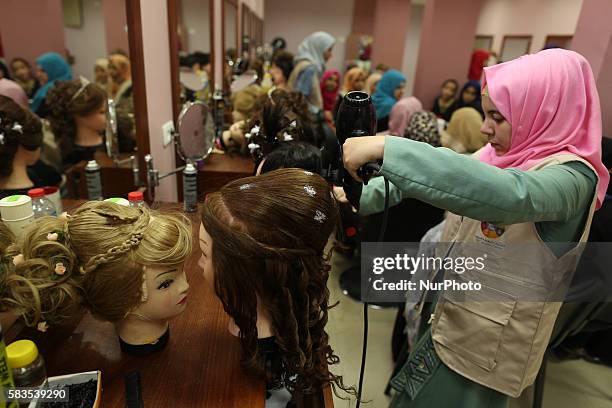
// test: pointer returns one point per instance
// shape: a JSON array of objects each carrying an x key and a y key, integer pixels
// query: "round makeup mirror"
[
  {"x": 195, "y": 136},
  {"x": 112, "y": 141},
  {"x": 244, "y": 80},
  {"x": 192, "y": 81}
]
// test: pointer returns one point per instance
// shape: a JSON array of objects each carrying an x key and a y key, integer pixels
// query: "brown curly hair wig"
[{"x": 269, "y": 235}]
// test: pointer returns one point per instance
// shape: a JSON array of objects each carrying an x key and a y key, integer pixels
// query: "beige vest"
[
  {"x": 315, "y": 97},
  {"x": 500, "y": 344}
]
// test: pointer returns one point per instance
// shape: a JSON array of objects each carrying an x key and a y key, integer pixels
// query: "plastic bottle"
[
  {"x": 94, "y": 183},
  {"x": 190, "y": 188},
  {"x": 41, "y": 205},
  {"x": 136, "y": 199},
  {"x": 27, "y": 365},
  {"x": 6, "y": 376}
]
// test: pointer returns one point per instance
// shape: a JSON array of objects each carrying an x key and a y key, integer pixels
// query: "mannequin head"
[
  {"x": 77, "y": 113},
  {"x": 118, "y": 261},
  {"x": 20, "y": 141},
  {"x": 119, "y": 67},
  {"x": 263, "y": 241}
]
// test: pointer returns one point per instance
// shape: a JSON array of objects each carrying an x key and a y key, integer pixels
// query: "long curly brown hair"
[
  {"x": 64, "y": 106},
  {"x": 269, "y": 235}
]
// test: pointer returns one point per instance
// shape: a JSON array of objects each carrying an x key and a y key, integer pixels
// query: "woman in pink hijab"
[
  {"x": 401, "y": 113},
  {"x": 532, "y": 190}
]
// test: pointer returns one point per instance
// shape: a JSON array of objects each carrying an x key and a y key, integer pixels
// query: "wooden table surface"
[{"x": 200, "y": 367}]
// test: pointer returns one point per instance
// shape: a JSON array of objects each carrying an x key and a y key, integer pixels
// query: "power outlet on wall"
[{"x": 167, "y": 130}]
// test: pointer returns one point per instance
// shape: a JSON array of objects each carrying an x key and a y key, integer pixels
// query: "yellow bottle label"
[{"x": 6, "y": 378}]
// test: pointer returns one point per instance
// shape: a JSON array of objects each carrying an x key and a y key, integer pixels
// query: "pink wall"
[
  {"x": 391, "y": 22},
  {"x": 363, "y": 17},
  {"x": 538, "y": 18},
  {"x": 31, "y": 27},
  {"x": 447, "y": 38},
  {"x": 115, "y": 24},
  {"x": 294, "y": 20},
  {"x": 593, "y": 39},
  {"x": 156, "y": 48}
]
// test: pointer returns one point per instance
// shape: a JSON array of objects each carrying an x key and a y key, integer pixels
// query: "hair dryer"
[{"x": 356, "y": 118}]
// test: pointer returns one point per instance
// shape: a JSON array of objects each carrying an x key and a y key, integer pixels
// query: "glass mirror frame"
[{"x": 177, "y": 135}]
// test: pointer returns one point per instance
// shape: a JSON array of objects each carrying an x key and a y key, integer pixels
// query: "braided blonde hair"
[
  {"x": 103, "y": 247},
  {"x": 113, "y": 243}
]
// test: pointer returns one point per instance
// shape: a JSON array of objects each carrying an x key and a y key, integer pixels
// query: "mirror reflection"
[{"x": 73, "y": 81}]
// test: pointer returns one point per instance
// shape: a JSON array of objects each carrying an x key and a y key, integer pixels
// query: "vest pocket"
[{"x": 473, "y": 329}]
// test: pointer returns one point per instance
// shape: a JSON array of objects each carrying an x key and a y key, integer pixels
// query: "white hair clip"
[
  {"x": 17, "y": 127},
  {"x": 2, "y": 139},
  {"x": 254, "y": 132},
  {"x": 293, "y": 124},
  {"x": 320, "y": 217},
  {"x": 310, "y": 190},
  {"x": 253, "y": 147},
  {"x": 287, "y": 137},
  {"x": 308, "y": 173},
  {"x": 245, "y": 186}
]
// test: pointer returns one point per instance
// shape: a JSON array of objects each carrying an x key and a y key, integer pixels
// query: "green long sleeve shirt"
[{"x": 556, "y": 198}]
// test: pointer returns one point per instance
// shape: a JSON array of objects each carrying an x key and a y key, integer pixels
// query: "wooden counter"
[{"x": 200, "y": 367}]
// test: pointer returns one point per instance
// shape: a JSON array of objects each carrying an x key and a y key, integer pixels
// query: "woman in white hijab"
[{"x": 310, "y": 59}]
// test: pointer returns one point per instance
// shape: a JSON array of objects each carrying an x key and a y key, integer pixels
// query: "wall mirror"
[{"x": 68, "y": 57}]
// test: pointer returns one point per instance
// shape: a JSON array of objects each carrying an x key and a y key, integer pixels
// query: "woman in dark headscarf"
[
  {"x": 51, "y": 67},
  {"x": 470, "y": 97}
]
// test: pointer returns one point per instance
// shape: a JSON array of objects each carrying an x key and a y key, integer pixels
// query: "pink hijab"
[
  {"x": 329, "y": 97},
  {"x": 12, "y": 90},
  {"x": 401, "y": 113},
  {"x": 551, "y": 102}
]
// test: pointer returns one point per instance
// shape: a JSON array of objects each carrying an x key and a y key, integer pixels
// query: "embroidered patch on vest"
[
  {"x": 491, "y": 230},
  {"x": 418, "y": 369}
]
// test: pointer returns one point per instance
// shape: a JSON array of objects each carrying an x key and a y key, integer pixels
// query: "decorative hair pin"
[
  {"x": 245, "y": 186},
  {"x": 287, "y": 137},
  {"x": 308, "y": 173},
  {"x": 17, "y": 127},
  {"x": 253, "y": 132},
  {"x": 52, "y": 236},
  {"x": 60, "y": 269},
  {"x": 18, "y": 259},
  {"x": 320, "y": 217},
  {"x": 293, "y": 124},
  {"x": 253, "y": 147},
  {"x": 310, "y": 190},
  {"x": 42, "y": 327}
]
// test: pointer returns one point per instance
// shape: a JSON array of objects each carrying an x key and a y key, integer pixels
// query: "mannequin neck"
[
  {"x": 264, "y": 324},
  {"x": 87, "y": 137},
  {"x": 136, "y": 330},
  {"x": 18, "y": 178}
]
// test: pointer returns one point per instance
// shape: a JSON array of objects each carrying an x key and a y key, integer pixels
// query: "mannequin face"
[
  {"x": 21, "y": 71},
  {"x": 119, "y": 68},
  {"x": 95, "y": 121},
  {"x": 205, "y": 261},
  {"x": 101, "y": 75},
  {"x": 496, "y": 127},
  {"x": 167, "y": 289},
  {"x": 41, "y": 75},
  {"x": 399, "y": 91}
]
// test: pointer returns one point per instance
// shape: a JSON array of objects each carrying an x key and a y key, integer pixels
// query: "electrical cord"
[{"x": 381, "y": 237}]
